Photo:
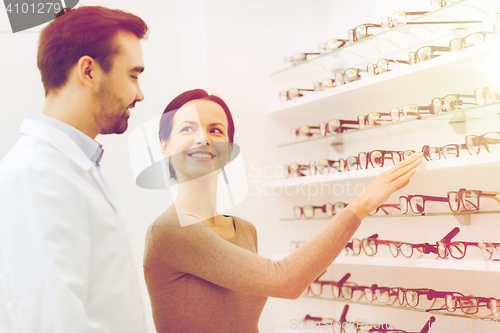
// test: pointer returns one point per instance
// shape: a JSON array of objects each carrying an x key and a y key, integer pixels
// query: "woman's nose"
[{"x": 202, "y": 138}]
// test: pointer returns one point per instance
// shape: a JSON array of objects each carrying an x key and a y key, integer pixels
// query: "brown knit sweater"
[{"x": 200, "y": 282}]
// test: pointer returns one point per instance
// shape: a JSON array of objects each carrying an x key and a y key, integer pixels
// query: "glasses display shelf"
[{"x": 460, "y": 72}]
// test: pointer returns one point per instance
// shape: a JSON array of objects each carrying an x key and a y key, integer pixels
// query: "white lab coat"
[{"x": 66, "y": 264}]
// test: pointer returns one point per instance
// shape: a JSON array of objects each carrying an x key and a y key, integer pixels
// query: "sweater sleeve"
[{"x": 197, "y": 250}]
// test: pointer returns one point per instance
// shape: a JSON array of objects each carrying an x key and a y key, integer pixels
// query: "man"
[{"x": 65, "y": 262}]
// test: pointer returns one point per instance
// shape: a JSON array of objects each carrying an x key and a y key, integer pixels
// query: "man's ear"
[
  {"x": 88, "y": 71},
  {"x": 164, "y": 150}
]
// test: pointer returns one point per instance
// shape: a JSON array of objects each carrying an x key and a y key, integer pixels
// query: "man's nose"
[{"x": 139, "y": 96}]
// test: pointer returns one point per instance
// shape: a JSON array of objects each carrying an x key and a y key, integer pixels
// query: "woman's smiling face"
[{"x": 199, "y": 142}]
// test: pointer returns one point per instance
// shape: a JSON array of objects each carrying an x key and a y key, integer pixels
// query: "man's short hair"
[{"x": 84, "y": 31}]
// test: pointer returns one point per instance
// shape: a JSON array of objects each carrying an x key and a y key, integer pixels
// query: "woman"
[{"x": 201, "y": 268}]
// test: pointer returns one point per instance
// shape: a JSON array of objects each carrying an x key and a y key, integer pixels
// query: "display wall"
[
  {"x": 460, "y": 72},
  {"x": 235, "y": 49}
]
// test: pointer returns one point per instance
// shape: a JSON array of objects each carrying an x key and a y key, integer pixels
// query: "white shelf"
[
  {"x": 459, "y": 117},
  {"x": 470, "y": 69},
  {"x": 483, "y": 159},
  {"x": 451, "y": 264},
  {"x": 448, "y": 264},
  {"x": 456, "y": 314},
  {"x": 392, "y": 40}
]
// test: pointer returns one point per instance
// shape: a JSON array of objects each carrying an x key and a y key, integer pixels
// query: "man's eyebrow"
[{"x": 137, "y": 69}]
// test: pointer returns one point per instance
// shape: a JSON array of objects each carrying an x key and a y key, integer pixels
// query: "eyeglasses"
[
  {"x": 337, "y": 126},
  {"x": 417, "y": 202},
  {"x": 448, "y": 151},
  {"x": 302, "y": 133},
  {"x": 382, "y": 66},
  {"x": 356, "y": 244},
  {"x": 370, "y": 247},
  {"x": 332, "y": 127},
  {"x": 449, "y": 102},
  {"x": 387, "y": 328},
  {"x": 425, "y": 53},
  {"x": 410, "y": 297},
  {"x": 323, "y": 84},
  {"x": 436, "y": 4},
  {"x": 372, "y": 119},
  {"x": 298, "y": 58},
  {"x": 468, "y": 200},
  {"x": 361, "y": 31},
  {"x": 456, "y": 250},
  {"x": 319, "y": 320},
  {"x": 328, "y": 208},
  {"x": 347, "y": 76},
  {"x": 346, "y": 290},
  {"x": 383, "y": 209},
  {"x": 473, "y": 39},
  {"x": 452, "y": 102},
  {"x": 481, "y": 95},
  {"x": 332, "y": 44},
  {"x": 377, "y": 158},
  {"x": 298, "y": 170},
  {"x": 494, "y": 306},
  {"x": 488, "y": 249},
  {"x": 381, "y": 294},
  {"x": 490, "y": 141},
  {"x": 338, "y": 326},
  {"x": 398, "y": 18},
  {"x": 316, "y": 288},
  {"x": 413, "y": 111},
  {"x": 292, "y": 94},
  {"x": 325, "y": 165},
  {"x": 468, "y": 304}
]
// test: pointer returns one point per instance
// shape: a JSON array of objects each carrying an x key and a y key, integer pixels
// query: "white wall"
[{"x": 226, "y": 47}]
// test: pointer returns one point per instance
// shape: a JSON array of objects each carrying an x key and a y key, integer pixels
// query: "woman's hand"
[{"x": 385, "y": 185}]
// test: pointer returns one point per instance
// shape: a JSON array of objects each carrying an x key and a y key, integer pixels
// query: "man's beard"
[{"x": 106, "y": 115}]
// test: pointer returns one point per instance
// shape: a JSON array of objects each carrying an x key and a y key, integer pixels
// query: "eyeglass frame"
[
  {"x": 433, "y": 49},
  {"x": 480, "y": 139},
  {"x": 354, "y": 34},
  {"x": 376, "y": 66},
  {"x": 425, "y": 198},
  {"x": 488, "y": 89},
  {"x": 460, "y": 195},
  {"x": 462, "y": 39},
  {"x": 426, "y": 150}
]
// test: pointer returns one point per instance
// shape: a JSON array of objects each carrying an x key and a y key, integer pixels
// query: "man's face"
[{"x": 119, "y": 89}]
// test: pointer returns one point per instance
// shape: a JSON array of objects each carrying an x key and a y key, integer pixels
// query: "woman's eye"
[
  {"x": 218, "y": 131},
  {"x": 134, "y": 77},
  {"x": 187, "y": 129}
]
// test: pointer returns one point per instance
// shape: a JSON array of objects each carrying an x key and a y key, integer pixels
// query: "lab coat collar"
[
  {"x": 58, "y": 139},
  {"x": 68, "y": 147}
]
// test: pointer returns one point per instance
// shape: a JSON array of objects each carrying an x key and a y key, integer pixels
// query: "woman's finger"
[
  {"x": 405, "y": 169},
  {"x": 404, "y": 180},
  {"x": 405, "y": 162}
]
